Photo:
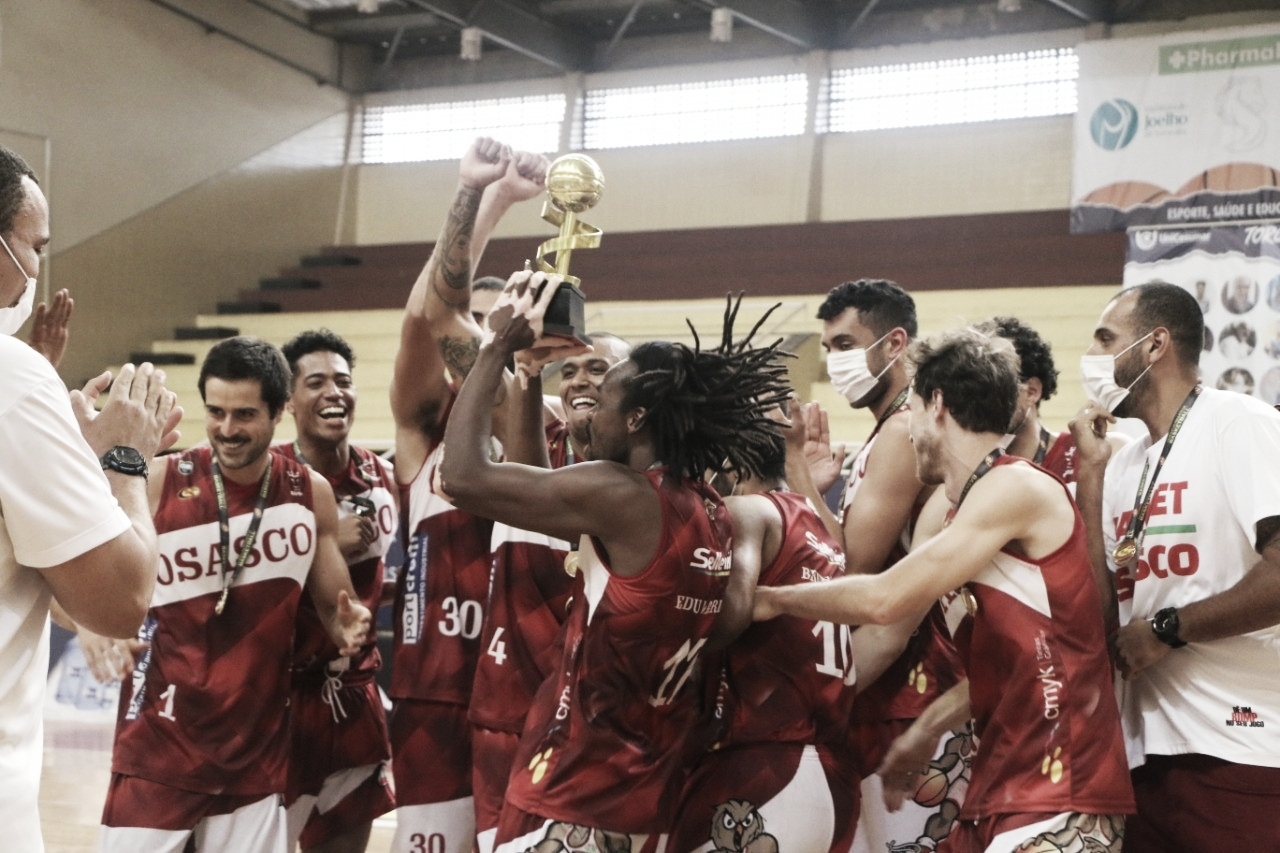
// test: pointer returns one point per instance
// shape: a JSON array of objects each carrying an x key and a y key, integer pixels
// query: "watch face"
[{"x": 126, "y": 460}]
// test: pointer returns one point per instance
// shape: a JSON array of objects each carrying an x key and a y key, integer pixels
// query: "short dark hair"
[
  {"x": 1035, "y": 356},
  {"x": 1159, "y": 303},
  {"x": 488, "y": 282},
  {"x": 592, "y": 337},
  {"x": 247, "y": 357},
  {"x": 881, "y": 305},
  {"x": 316, "y": 340},
  {"x": 976, "y": 373},
  {"x": 12, "y": 193},
  {"x": 708, "y": 409}
]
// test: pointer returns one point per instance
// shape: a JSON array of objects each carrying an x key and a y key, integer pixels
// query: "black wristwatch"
[
  {"x": 1165, "y": 626},
  {"x": 125, "y": 460}
]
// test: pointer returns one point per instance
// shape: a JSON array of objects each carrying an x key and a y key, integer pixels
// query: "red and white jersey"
[
  {"x": 1060, "y": 460},
  {"x": 1222, "y": 477},
  {"x": 791, "y": 680},
  {"x": 440, "y": 594},
  {"x": 1040, "y": 687},
  {"x": 369, "y": 479},
  {"x": 929, "y": 666},
  {"x": 529, "y": 593},
  {"x": 207, "y": 707},
  {"x": 607, "y": 739}
]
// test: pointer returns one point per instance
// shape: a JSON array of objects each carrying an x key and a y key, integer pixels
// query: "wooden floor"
[{"x": 77, "y": 766}]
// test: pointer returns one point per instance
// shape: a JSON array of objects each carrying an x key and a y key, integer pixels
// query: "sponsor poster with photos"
[
  {"x": 1233, "y": 271},
  {"x": 1178, "y": 129}
]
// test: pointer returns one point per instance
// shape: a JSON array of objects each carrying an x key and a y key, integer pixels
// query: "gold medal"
[
  {"x": 1126, "y": 552},
  {"x": 222, "y": 602},
  {"x": 571, "y": 564},
  {"x": 970, "y": 601}
]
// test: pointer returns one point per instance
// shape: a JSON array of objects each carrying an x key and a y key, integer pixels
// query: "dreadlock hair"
[{"x": 707, "y": 409}]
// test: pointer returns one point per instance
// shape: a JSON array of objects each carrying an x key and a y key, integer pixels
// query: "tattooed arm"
[{"x": 437, "y": 332}]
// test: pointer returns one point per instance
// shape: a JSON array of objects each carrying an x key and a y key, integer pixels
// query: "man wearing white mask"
[
  {"x": 1185, "y": 541},
  {"x": 74, "y": 522},
  {"x": 867, "y": 326}
]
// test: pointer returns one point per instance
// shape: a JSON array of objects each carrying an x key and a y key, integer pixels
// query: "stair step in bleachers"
[
  {"x": 204, "y": 333},
  {"x": 249, "y": 307},
  {"x": 288, "y": 283},
  {"x": 163, "y": 358},
  {"x": 335, "y": 259}
]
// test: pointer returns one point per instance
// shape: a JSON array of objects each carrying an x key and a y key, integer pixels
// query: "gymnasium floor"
[{"x": 77, "y": 766}]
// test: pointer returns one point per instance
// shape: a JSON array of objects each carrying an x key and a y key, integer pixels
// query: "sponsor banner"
[
  {"x": 1179, "y": 129},
  {"x": 1233, "y": 271}
]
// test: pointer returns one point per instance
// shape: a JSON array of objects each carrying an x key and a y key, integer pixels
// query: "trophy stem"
[{"x": 567, "y": 229}]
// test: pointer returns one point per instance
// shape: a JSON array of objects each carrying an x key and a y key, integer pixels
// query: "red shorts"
[
  {"x": 430, "y": 752},
  {"x": 1014, "y": 833},
  {"x": 134, "y": 801},
  {"x": 868, "y": 743},
  {"x": 492, "y": 754},
  {"x": 1198, "y": 802},
  {"x": 322, "y": 746},
  {"x": 359, "y": 808}
]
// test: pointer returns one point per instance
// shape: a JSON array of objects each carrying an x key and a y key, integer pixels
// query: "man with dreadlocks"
[{"x": 605, "y": 745}]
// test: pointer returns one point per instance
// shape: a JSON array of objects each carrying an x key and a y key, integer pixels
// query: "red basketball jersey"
[
  {"x": 207, "y": 707},
  {"x": 369, "y": 480},
  {"x": 791, "y": 678},
  {"x": 1040, "y": 684},
  {"x": 606, "y": 741},
  {"x": 1060, "y": 460},
  {"x": 440, "y": 595},
  {"x": 529, "y": 593}
]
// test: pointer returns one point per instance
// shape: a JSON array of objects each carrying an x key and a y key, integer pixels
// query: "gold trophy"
[{"x": 574, "y": 185}]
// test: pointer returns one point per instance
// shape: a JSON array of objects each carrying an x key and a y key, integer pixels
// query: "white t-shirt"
[
  {"x": 55, "y": 504},
  {"x": 1222, "y": 477}
]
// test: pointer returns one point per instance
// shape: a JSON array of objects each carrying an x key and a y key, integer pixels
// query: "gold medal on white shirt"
[
  {"x": 970, "y": 601},
  {"x": 571, "y": 564},
  {"x": 1126, "y": 552}
]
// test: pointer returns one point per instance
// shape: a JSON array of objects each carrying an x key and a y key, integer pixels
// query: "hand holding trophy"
[{"x": 574, "y": 185}]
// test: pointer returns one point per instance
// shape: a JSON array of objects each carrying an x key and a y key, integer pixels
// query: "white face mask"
[
  {"x": 1098, "y": 372},
  {"x": 849, "y": 372},
  {"x": 12, "y": 318}
]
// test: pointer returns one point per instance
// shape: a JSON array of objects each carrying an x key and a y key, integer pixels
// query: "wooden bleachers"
[{"x": 374, "y": 335}]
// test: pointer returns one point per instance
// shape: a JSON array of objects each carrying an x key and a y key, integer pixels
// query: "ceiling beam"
[
  {"x": 784, "y": 19},
  {"x": 348, "y": 23},
  {"x": 1089, "y": 11},
  {"x": 515, "y": 29}
]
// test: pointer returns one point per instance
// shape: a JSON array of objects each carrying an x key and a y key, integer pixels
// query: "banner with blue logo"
[
  {"x": 1179, "y": 129},
  {"x": 1234, "y": 273}
]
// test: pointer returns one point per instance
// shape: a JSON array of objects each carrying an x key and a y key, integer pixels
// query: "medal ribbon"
[
  {"x": 1136, "y": 528},
  {"x": 224, "y": 531},
  {"x": 894, "y": 407},
  {"x": 987, "y": 463},
  {"x": 1042, "y": 449}
]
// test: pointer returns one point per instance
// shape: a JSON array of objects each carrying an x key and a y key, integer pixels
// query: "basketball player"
[
  {"x": 602, "y": 756},
  {"x": 340, "y": 755},
  {"x": 201, "y": 744},
  {"x": 786, "y": 686},
  {"x": 867, "y": 326},
  {"x": 529, "y": 587},
  {"x": 1050, "y": 767},
  {"x": 441, "y": 592},
  {"x": 1189, "y": 524}
]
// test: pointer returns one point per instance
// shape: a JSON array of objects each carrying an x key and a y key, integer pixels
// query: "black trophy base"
[{"x": 565, "y": 315}]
